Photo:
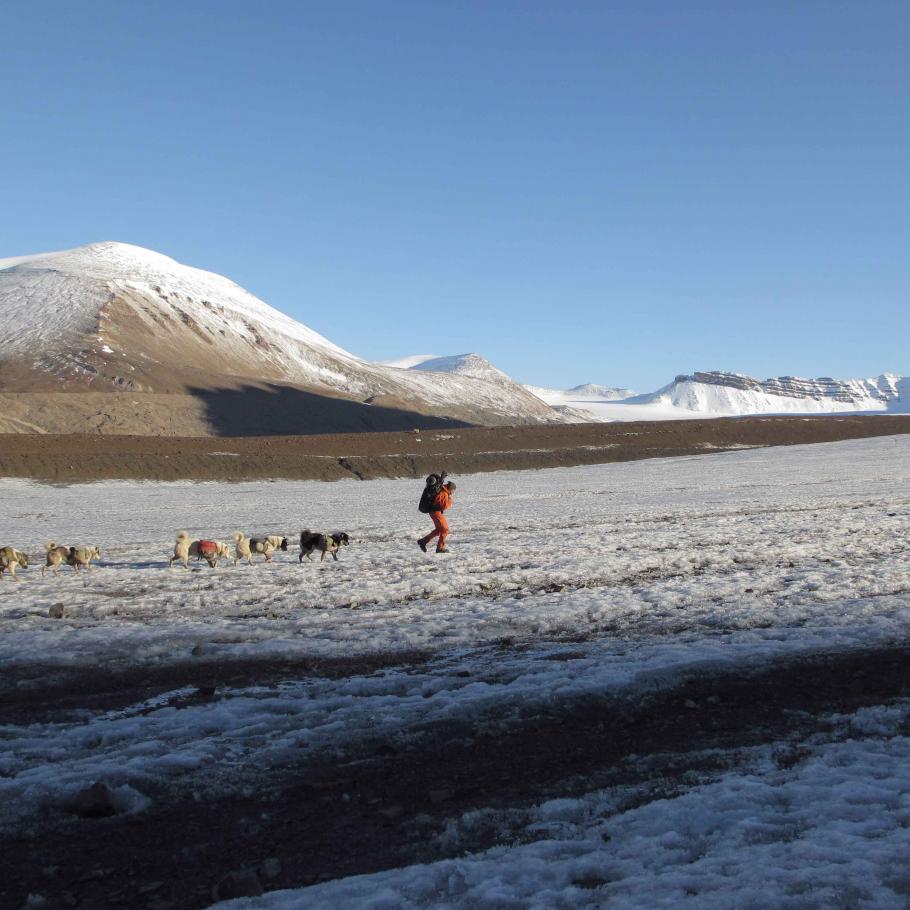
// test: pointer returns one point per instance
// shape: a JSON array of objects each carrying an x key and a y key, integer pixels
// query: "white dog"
[
  {"x": 242, "y": 548},
  {"x": 264, "y": 546},
  {"x": 209, "y": 550},
  {"x": 245, "y": 547},
  {"x": 82, "y": 557}
]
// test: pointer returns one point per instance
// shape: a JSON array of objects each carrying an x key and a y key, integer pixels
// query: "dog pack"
[{"x": 431, "y": 491}]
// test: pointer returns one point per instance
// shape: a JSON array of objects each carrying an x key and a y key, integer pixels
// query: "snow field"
[
  {"x": 606, "y": 579},
  {"x": 831, "y": 832}
]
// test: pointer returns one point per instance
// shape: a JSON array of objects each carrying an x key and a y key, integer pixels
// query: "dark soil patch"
[{"x": 71, "y": 459}]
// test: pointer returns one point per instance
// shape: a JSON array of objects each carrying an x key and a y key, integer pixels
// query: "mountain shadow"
[{"x": 269, "y": 409}]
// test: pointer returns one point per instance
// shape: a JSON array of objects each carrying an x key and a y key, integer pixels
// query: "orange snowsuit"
[{"x": 442, "y": 502}]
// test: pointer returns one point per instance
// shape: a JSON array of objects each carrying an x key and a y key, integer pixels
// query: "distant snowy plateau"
[
  {"x": 181, "y": 346},
  {"x": 719, "y": 394}
]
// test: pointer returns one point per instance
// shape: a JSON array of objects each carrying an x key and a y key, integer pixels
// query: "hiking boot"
[
  {"x": 422, "y": 544},
  {"x": 442, "y": 549}
]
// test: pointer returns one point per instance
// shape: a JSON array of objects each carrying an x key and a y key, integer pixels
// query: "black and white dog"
[{"x": 312, "y": 542}]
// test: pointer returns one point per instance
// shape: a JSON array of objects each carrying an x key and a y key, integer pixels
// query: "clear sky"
[{"x": 608, "y": 192}]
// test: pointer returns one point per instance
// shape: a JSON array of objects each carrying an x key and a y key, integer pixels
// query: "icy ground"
[{"x": 614, "y": 578}]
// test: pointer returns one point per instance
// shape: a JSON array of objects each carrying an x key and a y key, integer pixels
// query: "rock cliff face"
[
  {"x": 846, "y": 391},
  {"x": 719, "y": 394}
]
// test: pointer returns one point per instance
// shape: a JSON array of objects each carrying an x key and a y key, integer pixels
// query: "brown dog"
[
  {"x": 10, "y": 558},
  {"x": 56, "y": 556}
]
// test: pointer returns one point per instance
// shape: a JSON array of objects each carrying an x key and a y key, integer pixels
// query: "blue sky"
[{"x": 582, "y": 192}]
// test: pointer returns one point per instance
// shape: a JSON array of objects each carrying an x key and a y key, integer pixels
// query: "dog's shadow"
[{"x": 148, "y": 564}]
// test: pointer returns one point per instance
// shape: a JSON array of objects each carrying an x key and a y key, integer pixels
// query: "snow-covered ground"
[
  {"x": 832, "y": 832},
  {"x": 608, "y": 408},
  {"x": 617, "y": 578}
]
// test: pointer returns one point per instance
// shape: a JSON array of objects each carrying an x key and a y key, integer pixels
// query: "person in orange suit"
[{"x": 442, "y": 502}]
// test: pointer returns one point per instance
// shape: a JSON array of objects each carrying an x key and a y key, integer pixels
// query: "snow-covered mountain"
[
  {"x": 733, "y": 393},
  {"x": 581, "y": 403},
  {"x": 190, "y": 350},
  {"x": 480, "y": 368},
  {"x": 115, "y": 317},
  {"x": 719, "y": 394},
  {"x": 579, "y": 394},
  {"x": 602, "y": 392},
  {"x": 456, "y": 364}
]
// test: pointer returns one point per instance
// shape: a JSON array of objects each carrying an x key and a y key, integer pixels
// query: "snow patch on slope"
[{"x": 407, "y": 363}]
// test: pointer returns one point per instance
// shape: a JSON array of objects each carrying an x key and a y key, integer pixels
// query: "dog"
[
  {"x": 224, "y": 551},
  {"x": 311, "y": 541},
  {"x": 11, "y": 558},
  {"x": 77, "y": 557},
  {"x": 81, "y": 557},
  {"x": 245, "y": 547},
  {"x": 209, "y": 550},
  {"x": 181, "y": 550},
  {"x": 242, "y": 548},
  {"x": 264, "y": 546},
  {"x": 56, "y": 555},
  {"x": 278, "y": 542}
]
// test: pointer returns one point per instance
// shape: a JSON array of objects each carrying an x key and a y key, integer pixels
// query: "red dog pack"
[{"x": 208, "y": 548}]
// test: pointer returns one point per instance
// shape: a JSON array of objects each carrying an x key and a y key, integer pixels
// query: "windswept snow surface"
[{"x": 611, "y": 579}]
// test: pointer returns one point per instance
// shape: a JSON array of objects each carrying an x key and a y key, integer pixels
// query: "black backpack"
[{"x": 431, "y": 491}]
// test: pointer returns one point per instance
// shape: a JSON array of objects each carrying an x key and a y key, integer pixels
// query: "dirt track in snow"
[{"x": 381, "y": 807}]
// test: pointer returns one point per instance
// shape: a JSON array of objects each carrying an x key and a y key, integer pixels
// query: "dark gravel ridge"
[{"x": 70, "y": 459}]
